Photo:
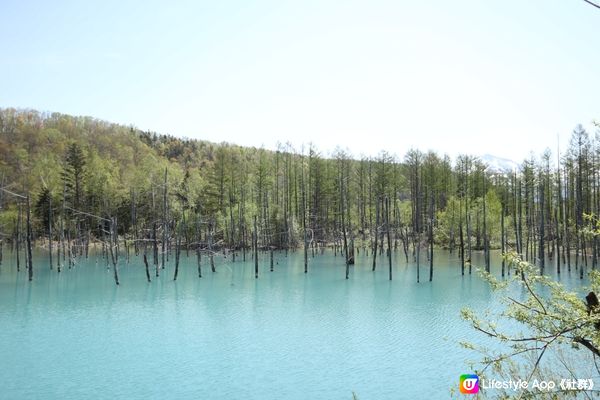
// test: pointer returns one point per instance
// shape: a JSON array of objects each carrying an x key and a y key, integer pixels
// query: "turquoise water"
[{"x": 286, "y": 335}]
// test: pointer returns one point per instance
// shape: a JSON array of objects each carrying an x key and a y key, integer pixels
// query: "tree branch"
[
  {"x": 588, "y": 344},
  {"x": 592, "y": 4}
]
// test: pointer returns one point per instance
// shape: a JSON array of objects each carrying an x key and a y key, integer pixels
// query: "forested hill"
[
  {"x": 84, "y": 165},
  {"x": 34, "y": 150}
]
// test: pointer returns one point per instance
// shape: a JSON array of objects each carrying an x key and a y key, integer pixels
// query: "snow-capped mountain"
[{"x": 498, "y": 164}]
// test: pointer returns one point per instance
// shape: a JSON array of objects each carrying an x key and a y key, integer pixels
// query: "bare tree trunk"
[
  {"x": 345, "y": 243},
  {"x": 389, "y": 241},
  {"x": 581, "y": 266},
  {"x": 431, "y": 237},
  {"x": 462, "y": 240},
  {"x": 146, "y": 264},
  {"x": 541, "y": 254},
  {"x": 255, "y": 239},
  {"x": 468, "y": 223},
  {"x": 177, "y": 253},
  {"x": 557, "y": 241},
  {"x": 418, "y": 256},
  {"x": 405, "y": 243},
  {"x": 87, "y": 244},
  {"x": 29, "y": 259},
  {"x": 376, "y": 234},
  {"x": 18, "y": 238},
  {"x": 514, "y": 211},
  {"x": 233, "y": 245},
  {"x": 61, "y": 245},
  {"x": 342, "y": 215},
  {"x": 49, "y": 232},
  {"x": 241, "y": 224},
  {"x": 469, "y": 244},
  {"x": 70, "y": 248},
  {"x": 566, "y": 235},
  {"x": 502, "y": 239},
  {"x": 198, "y": 253},
  {"x": 486, "y": 243},
  {"x": 304, "y": 220},
  {"x": 164, "y": 222},
  {"x": 155, "y": 248},
  {"x": 211, "y": 253},
  {"x": 114, "y": 254}
]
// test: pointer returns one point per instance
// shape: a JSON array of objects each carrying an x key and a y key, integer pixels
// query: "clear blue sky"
[{"x": 453, "y": 76}]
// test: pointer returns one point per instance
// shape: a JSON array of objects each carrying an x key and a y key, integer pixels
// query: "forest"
[{"x": 71, "y": 184}]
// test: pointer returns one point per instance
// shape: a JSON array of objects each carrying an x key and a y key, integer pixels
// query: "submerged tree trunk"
[{"x": 147, "y": 269}]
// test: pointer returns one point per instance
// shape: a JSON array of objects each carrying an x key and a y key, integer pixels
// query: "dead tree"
[
  {"x": 146, "y": 264},
  {"x": 49, "y": 229},
  {"x": 502, "y": 237},
  {"x": 255, "y": 241},
  {"x": 114, "y": 253},
  {"x": 431, "y": 214},
  {"x": 211, "y": 253},
  {"x": 342, "y": 211},
  {"x": 304, "y": 220},
  {"x": 177, "y": 253},
  {"x": 387, "y": 226},
  {"x": 28, "y": 231},
  {"x": 29, "y": 259},
  {"x": 462, "y": 239},
  {"x": 198, "y": 252},
  {"x": 486, "y": 241},
  {"x": 18, "y": 239},
  {"x": 376, "y": 231},
  {"x": 164, "y": 222},
  {"x": 155, "y": 249}
]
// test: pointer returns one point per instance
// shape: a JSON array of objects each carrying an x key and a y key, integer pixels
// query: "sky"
[{"x": 501, "y": 77}]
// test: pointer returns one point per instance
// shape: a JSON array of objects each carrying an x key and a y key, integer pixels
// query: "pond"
[{"x": 285, "y": 335}]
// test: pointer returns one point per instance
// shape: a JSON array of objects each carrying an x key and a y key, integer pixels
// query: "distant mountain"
[{"x": 497, "y": 164}]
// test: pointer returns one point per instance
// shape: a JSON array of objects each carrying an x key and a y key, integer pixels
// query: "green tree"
[
  {"x": 559, "y": 336},
  {"x": 74, "y": 173}
]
